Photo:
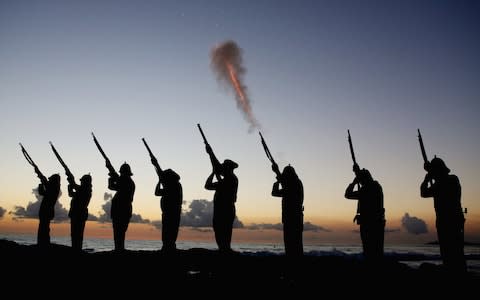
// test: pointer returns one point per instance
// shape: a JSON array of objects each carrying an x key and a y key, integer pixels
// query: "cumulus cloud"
[
  {"x": 92, "y": 217},
  {"x": 307, "y": 226},
  {"x": 32, "y": 208},
  {"x": 2, "y": 212},
  {"x": 107, "y": 196},
  {"x": 255, "y": 226},
  {"x": 414, "y": 225},
  {"x": 137, "y": 218},
  {"x": 104, "y": 215},
  {"x": 200, "y": 214}
]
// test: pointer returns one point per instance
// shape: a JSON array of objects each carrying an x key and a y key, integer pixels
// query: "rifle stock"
[
  {"x": 69, "y": 174},
  {"x": 108, "y": 164},
  {"x": 152, "y": 157}
]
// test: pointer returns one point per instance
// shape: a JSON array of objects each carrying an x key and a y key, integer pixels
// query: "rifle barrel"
[
  {"x": 351, "y": 147},
  {"x": 27, "y": 156},
  {"x": 203, "y": 135},
  {"x": 422, "y": 147},
  {"x": 64, "y": 165},
  {"x": 148, "y": 148},
  {"x": 265, "y": 147},
  {"x": 99, "y": 147}
]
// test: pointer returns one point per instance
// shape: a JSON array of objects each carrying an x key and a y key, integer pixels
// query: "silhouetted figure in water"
[
  {"x": 370, "y": 212},
  {"x": 78, "y": 213},
  {"x": 224, "y": 200},
  {"x": 170, "y": 189},
  {"x": 50, "y": 190},
  {"x": 446, "y": 192},
  {"x": 121, "y": 210},
  {"x": 292, "y": 208}
]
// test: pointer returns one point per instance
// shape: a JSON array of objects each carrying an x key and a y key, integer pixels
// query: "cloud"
[
  {"x": 107, "y": 196},
  {"x": 2, "y": 212},
  {"x": 307, "y": 226},
  {"x": 265, "y": 226},
  {"x": 200, "y": 214},
  {"x": 92, "y": 217},
  {"x": 32, "y": 208},
  {"x": 137, "y": 218},
  {"x": 414, "y": 225},
  {"x": 104, "y": 215}
]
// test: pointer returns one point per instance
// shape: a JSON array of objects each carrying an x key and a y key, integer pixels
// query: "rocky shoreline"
[{"x": 208, "y": 272}]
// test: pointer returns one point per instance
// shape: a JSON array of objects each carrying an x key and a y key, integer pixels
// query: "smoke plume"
[{"x": 227, "y": 64}]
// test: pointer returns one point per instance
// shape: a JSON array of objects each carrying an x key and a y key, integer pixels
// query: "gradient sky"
[{"x": 133, "y": 69}]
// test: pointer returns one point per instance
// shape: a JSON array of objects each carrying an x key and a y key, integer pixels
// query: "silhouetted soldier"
[
  {"x": 170, "y": 189},
  {"x": 446, "y": 192},
  {"x": 78, "y": 212},
  {"x": 121, "y": 210},
  {"x": 50, "y": 190},
  {"x": 292, "y": 208},
  {"x": 224, "y": 200},
  {"x": 370, "y": 212}
]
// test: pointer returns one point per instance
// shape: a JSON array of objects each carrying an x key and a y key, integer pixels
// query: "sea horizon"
[{"x": 413, "y": 255}]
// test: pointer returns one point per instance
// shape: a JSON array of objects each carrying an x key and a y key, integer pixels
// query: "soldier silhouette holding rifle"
[
  {"x": 121, "y": 210},
  {"x": 225, "y": 187},
  {"x": 370, "y": 211},
  {"x": 170, "y": 189},
  {"x": 50, "y": 190},
  {"x": 291, "y": 192},
  {"x": 81, "y": 195},
  {"x": 446, "y": 192}
]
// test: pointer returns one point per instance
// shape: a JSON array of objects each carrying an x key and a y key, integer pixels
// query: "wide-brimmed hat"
[
  {"x": 229, "y": 164},
  {"x": 171, "y": 175}
]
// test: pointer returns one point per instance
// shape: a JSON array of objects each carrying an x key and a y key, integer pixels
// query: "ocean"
[{"x": 412, "y": 255}]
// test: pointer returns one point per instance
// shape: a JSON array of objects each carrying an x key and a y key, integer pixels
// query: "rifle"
[
  {"x": 215, "y": 163},
  {"x": 356, "y": 168},
  {"x": 153, "y": 158},
  {"x": 269, "y": 155},
  {"x": 70, "y": 177},
  {"x": 108, "y": 164},
  {"x": 42, "y": 177},
  {"x": 351, "y": 148},
  {"x": 422, "y": 148}
]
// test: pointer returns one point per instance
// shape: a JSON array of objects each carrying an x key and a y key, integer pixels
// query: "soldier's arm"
[
  {"x": 350, "y": 193},
  {"x": 276, "y": 191},
  {"x": 426, "y": 191},
  {"x": 112, "y": 183},
  {"x": 209, "y": 184},
  {"x": 158, "y": 190}
]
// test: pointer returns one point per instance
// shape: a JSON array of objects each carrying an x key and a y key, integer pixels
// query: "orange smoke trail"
[
  {"x": 238, "y": 88},
  {"x": 227, "y": 64}
]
